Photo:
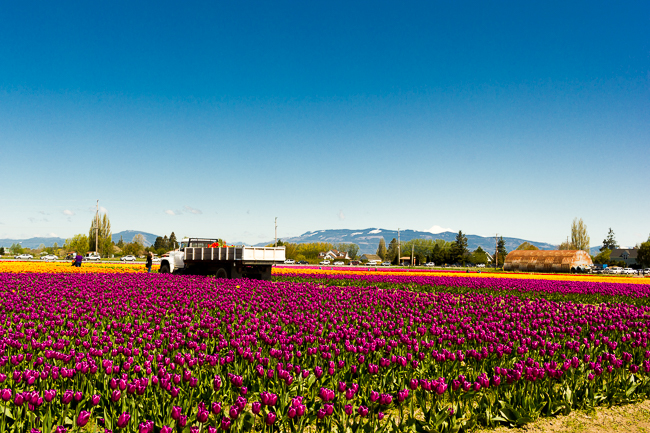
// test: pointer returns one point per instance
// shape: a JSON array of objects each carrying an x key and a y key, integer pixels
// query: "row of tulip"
[
  {"x": 556, "y": 290},
  {"x": 66, "y": 268},
  {"x": 334, "y": 270},
  {"x": 164, "y": 353}
]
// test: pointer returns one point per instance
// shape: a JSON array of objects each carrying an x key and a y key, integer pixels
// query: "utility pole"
[
  {"x": 412, "y": 255},
  {"x": 97, "y": 226},
  {"x": 276, "y": 231},
  {"x": 496, "y": 251},
  {"x": 399, "y": 248}
]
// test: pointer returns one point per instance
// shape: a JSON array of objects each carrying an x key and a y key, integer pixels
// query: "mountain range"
[
  {"x": 367, "y": 239},
  {"x": 127, "y": 236}
]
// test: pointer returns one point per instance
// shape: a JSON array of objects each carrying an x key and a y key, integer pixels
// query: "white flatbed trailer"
[{"x": 196, "y": 257}]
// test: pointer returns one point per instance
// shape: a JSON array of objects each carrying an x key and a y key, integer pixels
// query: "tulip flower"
[
  {"x": 82, "y": 418},
  {"x": 123, "y": 420},
  {"x": 225, "y": 423}
]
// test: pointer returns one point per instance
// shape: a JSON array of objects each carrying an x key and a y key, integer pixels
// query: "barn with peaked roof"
[{"x": 548, "y": 261}]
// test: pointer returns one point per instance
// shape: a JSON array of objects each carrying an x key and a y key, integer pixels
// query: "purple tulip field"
[{"x": 154, "y": 353}]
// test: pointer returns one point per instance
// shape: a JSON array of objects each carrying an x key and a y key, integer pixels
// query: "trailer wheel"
[
  {"x": 221, "y": 273},
  {"x": 164, "y": 268}
]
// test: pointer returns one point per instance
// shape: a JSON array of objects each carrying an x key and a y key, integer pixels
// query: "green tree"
[
  {"x": 290, "y": 250},
  {"x": 353, "y": 251},
  {"x": 77, "y": 243},
  {"x": 609, "y": 243},
  {"x": 501, "y": 251},
  {"x": 643, "y": 255},
  {"x": 479, "y": 256},
  {"x": 16, "y": 249},
  {"x": 158, "y": 243},
  {"x": 381, "y": 249},
  {"x": 603, "y": 257},
  {"x": 459, "y": 249},
  {"x": 527, "y": 246},
  {"x": 172, "y": 241},
  {"x": 579, "y": 236},
  {"x": 101, "y": 236},
  {"x": 391, "y": 252},
  {"x": 2, "y": 251},
  {"x": 120, "y": 243},
  {"x": 133, "y": 248},
  {"x": 138, "y": 239}
]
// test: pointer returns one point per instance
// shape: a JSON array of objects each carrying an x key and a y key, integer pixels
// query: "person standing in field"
[
  {"x": 149, "y": 261},
  {"x": 78, "y": 259}
]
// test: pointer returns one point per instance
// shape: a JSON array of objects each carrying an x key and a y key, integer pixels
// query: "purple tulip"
[
  {"x": 176, "y": 412},
  {"x": 225, "y": 423},
  {"x": 82, "y": 418},
  {"x": 166, "y": 429},
  {"x": 67, "y": 397},
  {"x": 363, "y": 411},
  {"x": 270, "y": 418},
  {"x": 123, "y": 420}
]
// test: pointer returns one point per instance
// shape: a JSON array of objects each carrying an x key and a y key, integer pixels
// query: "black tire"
[
  {"x": 164, "y": 268},
  {"x": 221, "y": 273}
]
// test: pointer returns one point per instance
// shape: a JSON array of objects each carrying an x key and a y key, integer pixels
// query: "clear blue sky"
[{"x": 212, "y": 118}]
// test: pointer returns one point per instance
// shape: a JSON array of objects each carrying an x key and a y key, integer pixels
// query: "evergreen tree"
[
  {"x": 609, "y": 243},
  {"x": 158, "y": 243},
  {"x": 2, "y": 251},
  {"x": 459, "y": 249},
  {"x": 165, "y": 242},
  {"x": 643, "y": 255},
  {"x": 391, "y": 253},
  {"x": 381, "y": 249},
  {"x": 501, "y": 251},
  {"x": 120, "y": 244},
  {"x": 172, "y": 241}
]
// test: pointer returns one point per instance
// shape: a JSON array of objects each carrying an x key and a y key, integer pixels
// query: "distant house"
[
  {"x": 627, "y": 255},
  {"x": 370, "y": 257},
  {"x": 334, "y": 255}
]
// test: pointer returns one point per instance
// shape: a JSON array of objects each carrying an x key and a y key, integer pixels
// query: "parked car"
[
  {"x": 372, "y": 263},
  {"x": 386, "y": 264},
  {"x": 628, "y": 271},
  {"x": 480, "y": 265},
  {"x": 303, "y": 262},
  {"x": 354, "y": 262},
  {"x": 324, "y": 262},
  {"x": 613, "y": 270},
  {"x": 49, "y": 257},
  {"x": 430, "y": 264},
  {"x": 93, "y": 256},
  {"x": 24, "y": 257},
  {"x": 339, "y": 263},
  {"x": 289, "y": 262},
  {"x": 128, "y": 258},
  {"x": 155, "y": 259}
]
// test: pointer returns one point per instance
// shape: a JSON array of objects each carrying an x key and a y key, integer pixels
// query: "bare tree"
[{"x": 579, "y": 236}]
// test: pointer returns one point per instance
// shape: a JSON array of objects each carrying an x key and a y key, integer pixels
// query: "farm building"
[{"x": 547, "y": 261}]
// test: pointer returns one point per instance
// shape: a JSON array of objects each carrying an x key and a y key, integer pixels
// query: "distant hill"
[
  {"x": 368, "y": 239},
  {"x": 32, "y": 242},
  {"x": 127, "y": 236}
]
